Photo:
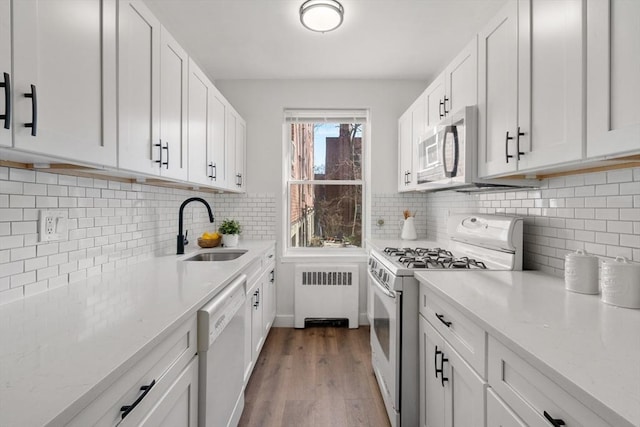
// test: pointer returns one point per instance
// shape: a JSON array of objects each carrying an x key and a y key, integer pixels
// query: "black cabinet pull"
[
  {"x": 519, "y": 134},
  {"x": 506, "y": 147},
  {"x": 440, "y": 105},
  {"x": 445, "y": 106},
  {"x": 128, "y": 408},
  {"x": 239, "y": 180},
  {"x": 556, "y": 422},
  {"x": 442, "y": 377},
  {"x": 435, "y": 362},
  {"x": 34, "y": 111},
  {"x": 159, "y": 145},
  {"x": 6, "y": 84},
  {"x": 166, "y": 147},
  {"x": 441, "y": 318},
  {"x": 272, "y": 276},
  {"x": 214, "y": 171}
]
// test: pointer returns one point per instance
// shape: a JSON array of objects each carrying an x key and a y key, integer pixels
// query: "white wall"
[{"x": 261, "y": 103}]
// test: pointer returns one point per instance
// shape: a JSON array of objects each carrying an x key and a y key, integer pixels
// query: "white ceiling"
[{"x": 379, "y": 39}]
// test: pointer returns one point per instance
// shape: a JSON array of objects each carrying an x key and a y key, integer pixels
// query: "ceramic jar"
[
  {"x": 581, "y": 272},
  {"x": 409, "y": 229},
  {"x": 230, "y": 240},
  {"x": 621, "y": 283}
]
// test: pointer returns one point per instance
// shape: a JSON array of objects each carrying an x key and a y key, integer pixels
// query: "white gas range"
[{"x": 476, "y": 242}]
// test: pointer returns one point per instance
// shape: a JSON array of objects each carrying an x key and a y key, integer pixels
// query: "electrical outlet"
[{"x": 52, "y": 225}]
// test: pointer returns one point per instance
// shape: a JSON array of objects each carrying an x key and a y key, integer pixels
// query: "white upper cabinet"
[
  {"x": 139, "y": 88},
  {"x": 235, "y": 150},
  {"x": 405, "y": 154},
  {"x": 530, "y": 87},
  {"x": 217, "y": 125},
  {"x": 435, "y": 95},
  {"x": 5, "y": 73},
  {"x": 174, "y": 65},
  {"x": 200, "y": 89},
  {"x": 461, "y": 80},
  {"x": 64, "y": 78},
  {"x": 613, "y": 82}
]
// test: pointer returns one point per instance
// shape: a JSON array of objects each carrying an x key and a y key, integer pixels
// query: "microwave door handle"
[{"x": 453, "y": 130}]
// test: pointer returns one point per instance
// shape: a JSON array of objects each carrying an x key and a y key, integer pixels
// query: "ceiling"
[{"x": 379, "y": 39}]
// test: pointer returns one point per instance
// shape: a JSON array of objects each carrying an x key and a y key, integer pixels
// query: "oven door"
[{"x": 385, "y": 344}]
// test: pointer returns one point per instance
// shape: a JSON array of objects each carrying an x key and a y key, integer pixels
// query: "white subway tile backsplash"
[{"x": 598, "y": 212}]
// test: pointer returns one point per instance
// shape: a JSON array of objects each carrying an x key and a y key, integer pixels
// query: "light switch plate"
[{"x": 52, "y": 225}]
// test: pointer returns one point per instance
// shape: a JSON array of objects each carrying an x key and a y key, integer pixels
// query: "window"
[{"x": 324, "y": 179}]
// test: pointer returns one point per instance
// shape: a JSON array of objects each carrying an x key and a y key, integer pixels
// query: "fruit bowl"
[{"x": 209, "y": 243}]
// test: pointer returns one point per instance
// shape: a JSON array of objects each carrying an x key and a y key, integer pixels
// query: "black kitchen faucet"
[{"x": 181, "y": 238}]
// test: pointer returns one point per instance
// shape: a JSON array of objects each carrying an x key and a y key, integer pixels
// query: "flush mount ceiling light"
[{"x": 321, "y": 15}]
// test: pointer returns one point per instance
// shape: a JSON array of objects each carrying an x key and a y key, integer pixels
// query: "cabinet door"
[
  {"x": 269, "y": 300},
  {"x": 5, "y": 73},
  {"x": 613, "y": 86},
  {"x": 461, "y": 77},
  {"x": 257, "y": 337},
  {"x": 405, "y": 154},
  {"x": 550, "y": 74},
  {"x": 139, "y": 88},
  {"x": 241, "y": 142},
  {"x": 230, "y": 144},
  {"x": 464, "y": 398},
  {"x": 434, "y": 101},
  {"x": 174, "y": 63},
  {"x": 499, "y": 414},
  {"x": 217, "y": 154},
  {"x": 199, "y": 129},
  {"x": 498, "y": 92},
  {"x": 69, "y": 73},
  {"x": 431, "y": 389},
  {"x": 248, "y": 326},
  {"x": 178, "y": 406}
]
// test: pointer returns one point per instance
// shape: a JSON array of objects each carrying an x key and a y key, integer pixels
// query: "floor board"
[{"x": 314, "y": 377}]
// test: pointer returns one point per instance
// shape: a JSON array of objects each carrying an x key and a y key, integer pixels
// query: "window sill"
[{"x": 324, "y": 255}]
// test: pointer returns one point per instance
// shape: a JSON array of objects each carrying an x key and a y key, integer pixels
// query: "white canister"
[
  {"x": 581, "y": 272},
  {"x": 621, "y": 283},
  {"x": 409, "y": 229}
]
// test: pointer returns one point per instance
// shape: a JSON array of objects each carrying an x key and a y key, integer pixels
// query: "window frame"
[{"x": 314, "y": 116}]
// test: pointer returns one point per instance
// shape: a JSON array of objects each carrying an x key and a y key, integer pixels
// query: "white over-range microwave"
[
  {"x": 446, "y": 155},
  {"x": 446, "y": 158}
]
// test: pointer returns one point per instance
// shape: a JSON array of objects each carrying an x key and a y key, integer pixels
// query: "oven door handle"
[{"x": 384, "y": 290}]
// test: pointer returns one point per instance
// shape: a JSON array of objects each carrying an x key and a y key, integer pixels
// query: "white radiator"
[{"x": 326, "y": 292}]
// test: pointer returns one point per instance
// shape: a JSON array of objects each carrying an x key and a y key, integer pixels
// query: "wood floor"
[{"x": 315, "y": 377}]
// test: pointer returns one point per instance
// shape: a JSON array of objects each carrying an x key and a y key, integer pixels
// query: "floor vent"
[{"x": 326, "y": 292}]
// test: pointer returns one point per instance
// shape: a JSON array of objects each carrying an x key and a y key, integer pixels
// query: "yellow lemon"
[{"x": 206, "y": 235}]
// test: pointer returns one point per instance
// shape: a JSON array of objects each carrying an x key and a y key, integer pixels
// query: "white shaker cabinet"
[
  {"x": 530, "y": 87},
  {"x": 139, "y": 88},
  {"x": 153, "y": 78},
  {"x": 434, "y": 96},
  {"x": 451, "y": 393},
  {"x": 174, "y": 63},
  {"x": 5, "y": 73},
  {"x": 207, "y": 113},
  {"x": 499, "y": 414},
  {"x": 411, "y": 126},
  {"x": 613, "y": 82},
  {"x": 461, "y": 80},
  {"x": 235, "y": 150},
  {"x": 64, "y": 78}
]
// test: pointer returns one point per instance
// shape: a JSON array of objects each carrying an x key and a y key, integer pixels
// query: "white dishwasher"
[{"x": 221, "y": 360}]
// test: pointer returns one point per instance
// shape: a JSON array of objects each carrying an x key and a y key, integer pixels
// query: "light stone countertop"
[
  {"x": 61, "y": 349},
  {"x": 590, "y": 349}
]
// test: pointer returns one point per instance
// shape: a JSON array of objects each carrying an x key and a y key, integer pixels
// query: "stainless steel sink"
[{"x": 221, "y": 255}]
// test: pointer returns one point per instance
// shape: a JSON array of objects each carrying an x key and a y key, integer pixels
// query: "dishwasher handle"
[{"x": 220, "y": 299}]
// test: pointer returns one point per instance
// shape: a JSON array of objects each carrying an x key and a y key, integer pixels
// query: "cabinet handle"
[
  {"x": 34, "y": 110},
  {"x": 128, "y": 408},
  {"x": 442, "y": 377},
  {"x": 556, "y": 422},
  {"x": 272, "y": 276},
  {"x": 441, "y": 318},
  {"x": 408, "y": 178},
  {"x": 214, "y": 171},
  {"x": 445, "y": 106},
  {"x": 520, "y": 153},
  {"x": 506, "y": 147},
  {"x": 166, "y": 147},
  {"x": 159, "y": 145},
  {"x": 6, "y": 84},
  {"x": 440, "y": 105},
  {"x": 239, "y": 180},
  {"x": 435, "y": 362},
  {"x": 256, "y": 294}
]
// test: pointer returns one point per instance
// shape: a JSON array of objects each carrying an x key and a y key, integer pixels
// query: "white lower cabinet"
[
  {"x": 530, "y": 394},
  {"x": 158, "y": 390},
  {"x": 451, "y": 392},
  {"x": 499, "y": 414}
]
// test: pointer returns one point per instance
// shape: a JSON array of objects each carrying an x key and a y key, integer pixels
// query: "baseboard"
[{"x": 286, "y": 320}]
